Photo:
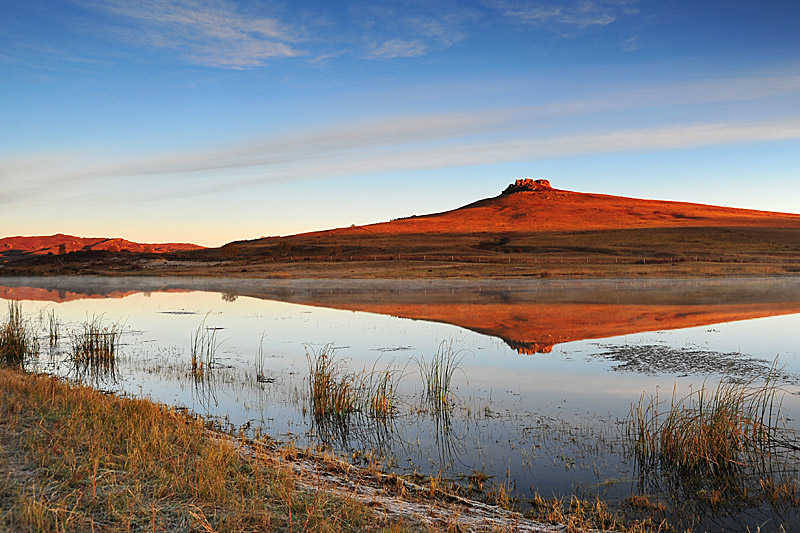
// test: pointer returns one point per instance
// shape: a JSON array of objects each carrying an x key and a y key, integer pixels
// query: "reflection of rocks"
[
  {"x": 654, "y": 359},
  {"x": 528, "y": 185},
  {"x": 529, "y": 348}
]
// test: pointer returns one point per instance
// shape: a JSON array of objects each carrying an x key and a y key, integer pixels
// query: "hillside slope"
[
  {"x": 60, "y": 243},
  {"x": 534, "y": 206}
]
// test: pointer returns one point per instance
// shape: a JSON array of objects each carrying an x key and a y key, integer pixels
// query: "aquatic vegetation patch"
[
  {"x": 18, "y": 341},
  {"x": 336, "y": 392},
  {"x": 716, "y": 449},
  {"x": 95, "y": 347},
  {"x": 652, "y": 359},
  {"x": 203, "y": 348},
  {"x": 53, "y": 328},
  {"x": 437, "y": 376}
]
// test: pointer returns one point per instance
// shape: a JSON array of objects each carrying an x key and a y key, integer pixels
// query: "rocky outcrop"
[{"x": 528, "y": 185}]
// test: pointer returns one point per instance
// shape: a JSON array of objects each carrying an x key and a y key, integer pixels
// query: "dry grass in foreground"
[{"x": 73, "y": 459}]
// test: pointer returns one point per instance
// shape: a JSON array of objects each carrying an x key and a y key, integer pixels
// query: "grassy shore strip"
[{"x": 74, "y": 459}]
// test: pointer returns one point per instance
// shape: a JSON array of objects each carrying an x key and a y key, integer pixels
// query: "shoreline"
[{"x": 63, "y": 470}]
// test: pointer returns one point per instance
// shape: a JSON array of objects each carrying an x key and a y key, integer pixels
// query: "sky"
[{"x": 208, "y": 121}]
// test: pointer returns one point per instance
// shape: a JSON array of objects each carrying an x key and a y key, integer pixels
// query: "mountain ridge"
[{"x": 52, "y": 244}]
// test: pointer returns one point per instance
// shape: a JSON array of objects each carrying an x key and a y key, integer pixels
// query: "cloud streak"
[
  {"x": 376, "y": 147},
  {"x": 208, "y": 32},
  {"x": 574, "y": 13}
]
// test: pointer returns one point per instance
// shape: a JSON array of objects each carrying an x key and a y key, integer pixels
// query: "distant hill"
[
  {"x": 535, "y": 206},
  {"x": 530, "y": 229},
  {"x": 61, "y": 244}
]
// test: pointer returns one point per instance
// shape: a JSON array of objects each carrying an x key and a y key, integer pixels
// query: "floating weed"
[{"x": 18, "y": 343}]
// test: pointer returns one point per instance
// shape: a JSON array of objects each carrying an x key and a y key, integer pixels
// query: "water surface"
[{"x": 548, "y": 370}]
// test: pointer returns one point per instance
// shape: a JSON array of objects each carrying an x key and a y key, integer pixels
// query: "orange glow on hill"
[{"x": 553, "y": 210}]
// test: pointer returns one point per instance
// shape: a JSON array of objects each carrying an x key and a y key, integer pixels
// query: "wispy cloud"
[
  {"x": 575, "y": 13},
  {"x": 396, "y": 144},
  {"x": 387, "y": 31},
  {"x": 209, "y": 32},
  {"x": 397, "y": 48},
  {"x": 647, "y": 117}
]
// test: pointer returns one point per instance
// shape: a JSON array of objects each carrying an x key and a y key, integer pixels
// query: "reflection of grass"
[{"x": 17, "y": 340}]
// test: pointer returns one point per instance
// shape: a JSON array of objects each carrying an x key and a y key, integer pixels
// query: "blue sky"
[{"x": 214, "y": 120}]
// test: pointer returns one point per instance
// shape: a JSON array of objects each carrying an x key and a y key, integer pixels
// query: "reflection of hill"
[
  {"x": 531, "y": 316},
  {"x": 60, "y": 295},
  {"x": 535, "y": 327}
]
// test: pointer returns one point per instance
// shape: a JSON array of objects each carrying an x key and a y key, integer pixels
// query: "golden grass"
[
  {"x": 437, "y": 375},
  {"x": 95, "y": 348},
  {"x": 18, "y": 341},
  {"x": 708, "y": 432},
  {"x": 73, "y": 459},
  {"x": 336, "y": 392},
  {"x": 730, "y": 444}
]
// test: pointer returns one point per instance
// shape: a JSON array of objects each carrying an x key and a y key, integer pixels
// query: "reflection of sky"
[
  {"x": 169, "y": 319},
  {"x": 570, "y": 384}
]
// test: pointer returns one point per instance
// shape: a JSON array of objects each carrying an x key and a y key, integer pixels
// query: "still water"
[{"x": 547, "y": 372}]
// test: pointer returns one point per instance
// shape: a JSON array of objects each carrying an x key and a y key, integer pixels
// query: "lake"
[{"x": 543, "y": 377}]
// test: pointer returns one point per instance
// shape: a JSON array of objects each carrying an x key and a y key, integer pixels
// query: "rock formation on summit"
[{"x": 528, "y": 185}]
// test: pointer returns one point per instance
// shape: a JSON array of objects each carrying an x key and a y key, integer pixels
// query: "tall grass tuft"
[
  {"x": 333, "y": 390},
  {"x": 18, "y": 343},
  {"x": 53, "y": 328},
  {"x": 438, "y": 376},
  {"x": 203, "y": 348},
  {"x": 716, "y": 445},
  {"x": 709, "y": 432},
  {"x": 337, "y": 392},
  {"x": 95, "y": 348},
  {"x": 380, "y": 389}
]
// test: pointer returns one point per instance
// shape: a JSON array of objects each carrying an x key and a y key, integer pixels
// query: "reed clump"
[
  {"x": 437, "y": 377},
  {"x": 18, "y": 341},
  {"x": 95, "y": 346},
  {"x": 336, "y": 392},
  {"x": 203, "y": 347},
  {"x": 53, "y": 328},
  {"x": 332, "y": 389},
  {"x": 710, "y": 431}
]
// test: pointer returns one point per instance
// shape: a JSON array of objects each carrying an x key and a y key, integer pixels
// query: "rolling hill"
[
  {"x": 61, "y": 244},
  {"x": 530, "y": 229}
]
